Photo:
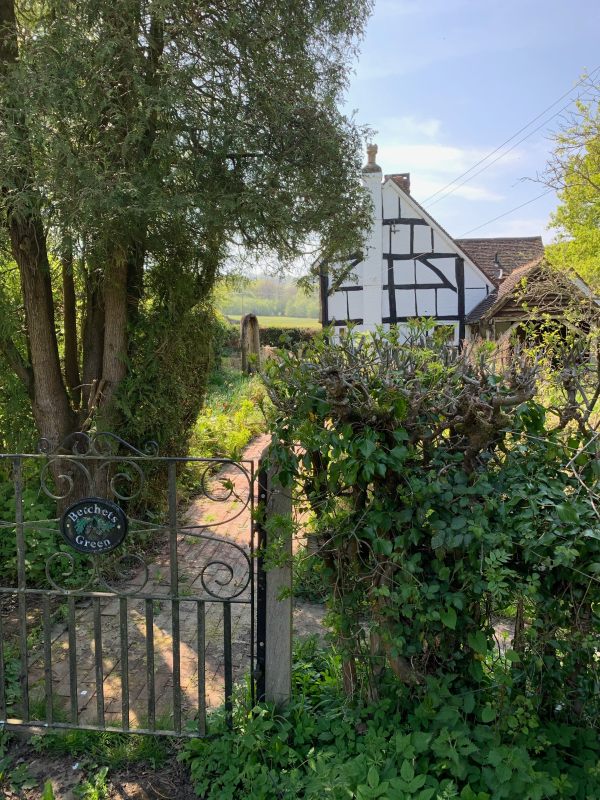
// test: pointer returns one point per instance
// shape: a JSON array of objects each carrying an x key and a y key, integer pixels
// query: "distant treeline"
[{"x": 270, "y": 297}]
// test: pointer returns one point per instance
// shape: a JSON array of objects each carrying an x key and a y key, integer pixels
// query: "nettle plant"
[{"x": 447, "y": 497}]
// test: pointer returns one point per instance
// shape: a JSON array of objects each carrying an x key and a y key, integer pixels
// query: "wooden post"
[
  {"x": 250, "y": 344},
  {"x": 277, "y": 624}
]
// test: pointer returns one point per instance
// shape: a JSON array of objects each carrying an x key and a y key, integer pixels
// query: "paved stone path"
[{"x": 213, "y": 541}]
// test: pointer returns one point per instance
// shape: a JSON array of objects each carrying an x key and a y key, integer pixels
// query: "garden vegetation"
[
  {"x": 457, "y": 526},
  {"x": 141, "y": 145}
]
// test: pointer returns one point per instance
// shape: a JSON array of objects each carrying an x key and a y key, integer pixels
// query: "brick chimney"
[{"x": 402, "y": 179}]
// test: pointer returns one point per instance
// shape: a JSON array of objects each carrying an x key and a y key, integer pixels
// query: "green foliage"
[
  {"x": 48, "y": 791},
  {"x": 574, "y": 171},
  {"x": 41, "y": 541},
  {"x": 269, "y": 297},
  {"x": 17, "y": 428},
  {"x": 12, "y": 674},
  {"x": 309, "y": 578},
  {"x": 111, "y": 750},
  {"x": 95, "y": 788},
  {"x": 162, "y": 394},
  {"x": 286, "y": 337},
  {"x": 442, "y": 495},
  {"x": 231, "y": 417},
  {"x": 438, "y": 745}
]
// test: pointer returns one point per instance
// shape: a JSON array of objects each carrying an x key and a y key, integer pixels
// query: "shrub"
[
  {"x": 310, "y": 580},
  {"x": 438, "y": 746},
  {"x": 445, "y": 493},
  {"x": 286, "y": 337},
  {"x": 162, "y": 395}
]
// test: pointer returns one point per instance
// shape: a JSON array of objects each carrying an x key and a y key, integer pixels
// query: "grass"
[
  {"x": 231, "y": 416},
  {"x": 113, "y": 750},
  {"x": 282, "y": 322}
]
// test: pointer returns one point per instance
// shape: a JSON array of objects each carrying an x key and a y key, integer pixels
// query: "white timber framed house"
[{"x": 411, "y": 267}]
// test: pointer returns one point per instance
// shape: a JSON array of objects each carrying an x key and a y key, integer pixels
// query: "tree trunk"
[
  {"x": 70, "y": 326},
  {"x": 114, "y": 362},
  {"x": 92, "y": 342},
  {"x": 50, "y": 403},
  {"x": 51, "y": 409}
]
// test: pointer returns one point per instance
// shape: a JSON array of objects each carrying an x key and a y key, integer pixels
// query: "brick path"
[{"x": 223, "y": 513}]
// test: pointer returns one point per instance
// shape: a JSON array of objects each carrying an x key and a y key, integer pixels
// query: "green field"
[{"x": 281, "y": 322}]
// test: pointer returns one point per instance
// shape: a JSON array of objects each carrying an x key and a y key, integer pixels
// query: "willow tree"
[{"x": 140, "y": 140}]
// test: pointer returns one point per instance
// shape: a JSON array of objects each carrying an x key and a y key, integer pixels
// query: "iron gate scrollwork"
[{"x": 140, "y": 632}]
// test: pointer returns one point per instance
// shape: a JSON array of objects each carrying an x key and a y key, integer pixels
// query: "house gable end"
[{"x": 412, "y": 211}]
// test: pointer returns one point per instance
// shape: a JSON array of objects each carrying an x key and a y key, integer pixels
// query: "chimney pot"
[{"x": 371, "y": 165}]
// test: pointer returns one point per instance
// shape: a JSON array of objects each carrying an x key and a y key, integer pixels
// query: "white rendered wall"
[{"x": 423, "y": 262}]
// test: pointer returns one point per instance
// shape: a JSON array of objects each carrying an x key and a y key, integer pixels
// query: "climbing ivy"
[{"x": 448, "y": 500}]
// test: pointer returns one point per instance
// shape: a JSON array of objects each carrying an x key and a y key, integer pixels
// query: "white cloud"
[
  {"x": 433, "y": 166},
  {"x": 522, "y": 226},
  {"x": 433, "y": 159},
  {"x": 409, "y": 127},
  {"x": 422, "y": 187}
]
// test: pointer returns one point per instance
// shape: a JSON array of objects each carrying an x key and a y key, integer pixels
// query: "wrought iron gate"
[{"x": 116, "y": 618}]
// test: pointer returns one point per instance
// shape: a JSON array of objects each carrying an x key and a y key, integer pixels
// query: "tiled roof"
[
  {"x": 512, "y": 253},
  {"x": 506, "y": 287},
  {"x": 401, "y": 179},
  {"x": 481, "y": 308}
]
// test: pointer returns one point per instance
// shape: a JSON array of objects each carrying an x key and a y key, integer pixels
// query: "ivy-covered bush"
[{"x": 447, "y": 497}]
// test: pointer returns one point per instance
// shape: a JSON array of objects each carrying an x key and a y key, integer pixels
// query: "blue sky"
[{"x": 444, "y": 82}]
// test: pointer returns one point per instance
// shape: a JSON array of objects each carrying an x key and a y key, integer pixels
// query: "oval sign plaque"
[{"x": 93, "y": 525}]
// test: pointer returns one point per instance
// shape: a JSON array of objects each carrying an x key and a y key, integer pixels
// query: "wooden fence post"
[
  {"x": 250, "y": 344},
  {"x": 275, "y": 627}
]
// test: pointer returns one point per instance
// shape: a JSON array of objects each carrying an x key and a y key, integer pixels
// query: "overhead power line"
[
  {"x": 498, "y": 157},
  {"x": 506, "y": 213},
  {"x": 510, "y": 139}
]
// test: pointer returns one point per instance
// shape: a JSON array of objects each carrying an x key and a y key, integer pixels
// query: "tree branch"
[{"x": 18, "y": 364}]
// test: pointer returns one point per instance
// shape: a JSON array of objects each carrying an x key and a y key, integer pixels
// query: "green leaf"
[
  {"x": 488, "y": 714},
  {"x": 438, "y": 540},
  {"x": 420, "y": 741},
  {"x": 567, "y": 513},
  {"x": 407, "y": 771},
  {"x": 478, "y": 642},
  {"x": 48, "y": 791},
  {"x": 367, "y": 447},
  {"x": 416, "y": 783},
  {"x": 468, "y": 703},
  {"x": 592, "y": 534},
  {"x": 373, "y": 777},
  {"x": 448, "y": 617},
  {"x": 503, "y": 773},
  {"x": 495, "y": 757}
]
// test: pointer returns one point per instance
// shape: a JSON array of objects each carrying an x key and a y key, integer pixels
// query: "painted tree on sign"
[{"x": 139, "y": 141}]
